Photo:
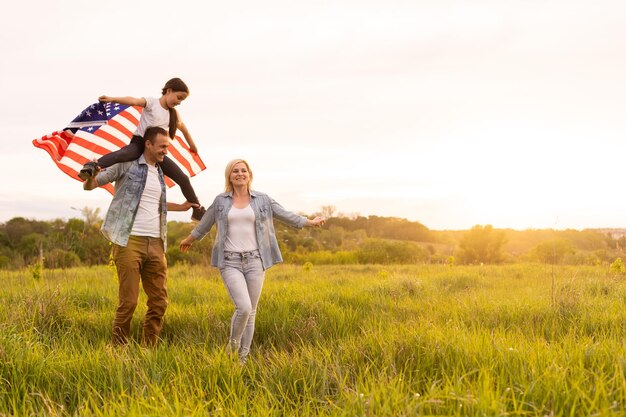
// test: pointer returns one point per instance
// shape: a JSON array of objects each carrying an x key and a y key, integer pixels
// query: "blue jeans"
[{"x": 243, "y": 276}]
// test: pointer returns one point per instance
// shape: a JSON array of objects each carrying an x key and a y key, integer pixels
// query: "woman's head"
[
  {"x": 237, "y": 172},
  {"x": 174, "y": 91}
]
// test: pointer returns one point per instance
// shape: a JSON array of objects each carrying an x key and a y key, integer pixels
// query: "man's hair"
[{"x": 152, "y": 132}]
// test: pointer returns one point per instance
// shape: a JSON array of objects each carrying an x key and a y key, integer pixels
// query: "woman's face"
[{"x": 239, "y": 176}]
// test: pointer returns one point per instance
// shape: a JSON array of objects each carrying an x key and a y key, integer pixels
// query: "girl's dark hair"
[{"x": 176, "y": 84}]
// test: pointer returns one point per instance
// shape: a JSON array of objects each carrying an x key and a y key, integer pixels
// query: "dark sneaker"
[
  {"x": 197, "y": 214},
  {"x": 88, "y": 171}
]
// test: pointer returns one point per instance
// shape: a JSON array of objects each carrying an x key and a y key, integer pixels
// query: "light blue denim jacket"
[
  {"x": 130, "y": 181},
  {"x": 265, "y": 209}
]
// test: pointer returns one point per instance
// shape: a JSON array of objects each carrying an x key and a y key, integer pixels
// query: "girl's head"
[
  {"x": 176, "y": 85},
  {"x": 174, "y": 91},
  {"x": 237, "y": 172}
]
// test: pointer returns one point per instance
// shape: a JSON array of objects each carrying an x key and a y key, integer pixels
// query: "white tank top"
[
  {"x": 241, "y": 235},
  {"x": 148, "y": 219},
  {"x": 153, "y": 115}
]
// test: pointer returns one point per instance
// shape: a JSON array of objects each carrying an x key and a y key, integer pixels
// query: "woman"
[{"x": 245, "y": 245}]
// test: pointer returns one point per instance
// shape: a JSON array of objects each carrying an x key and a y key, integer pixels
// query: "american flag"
[{"x": 103, "y": 128}]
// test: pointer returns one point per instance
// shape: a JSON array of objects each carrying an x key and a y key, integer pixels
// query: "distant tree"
[
  {"x": 482, "y": 244},
  {"x": 553, "y": 251},
  {"x": 59, "y": 258},
  {"x": 328, "y": 211},
  {"x": 92, "y": 216},
  {"x": 379, "y": 251}
]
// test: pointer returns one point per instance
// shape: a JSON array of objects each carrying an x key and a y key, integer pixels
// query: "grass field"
[{"x": 342, "y": 341}]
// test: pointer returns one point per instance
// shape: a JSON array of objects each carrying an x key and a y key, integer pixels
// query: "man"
[{"x": 135, "y": 224}]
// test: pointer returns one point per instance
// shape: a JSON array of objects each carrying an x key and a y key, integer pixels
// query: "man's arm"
[
  {"x": 181, "y": 207},
  {"x": 107, "y": 176}
]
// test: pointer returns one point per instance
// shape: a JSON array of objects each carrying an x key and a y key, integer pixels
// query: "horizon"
[
  {"x": 343, "y": 215},
  {"x": 449, "y": 114}
]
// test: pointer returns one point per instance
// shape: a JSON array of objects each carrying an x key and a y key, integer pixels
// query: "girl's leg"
[
  {"x": 178, "y": 176},
  {"x": 128, "y": 153}
]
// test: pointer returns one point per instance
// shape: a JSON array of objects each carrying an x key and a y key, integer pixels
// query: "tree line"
[{"x": 345, "y": 239}]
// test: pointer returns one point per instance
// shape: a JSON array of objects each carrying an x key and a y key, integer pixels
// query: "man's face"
[{"x": 158, "y": 150}]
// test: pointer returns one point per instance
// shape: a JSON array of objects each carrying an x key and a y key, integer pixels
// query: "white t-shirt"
[
  {"x": 241, "y": 234},
  {"x": 148, "y": 219},
  {"x": 153, "y": 115}
]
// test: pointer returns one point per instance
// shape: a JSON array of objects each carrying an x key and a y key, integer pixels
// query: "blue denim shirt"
[
  {"x": 130, "y": 181},
  {"x": 265, "y": 209}
]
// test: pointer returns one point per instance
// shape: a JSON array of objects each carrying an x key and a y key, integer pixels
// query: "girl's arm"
[
  {"x": 128, "y": 101},
  {"x": 181, "y": 126}
]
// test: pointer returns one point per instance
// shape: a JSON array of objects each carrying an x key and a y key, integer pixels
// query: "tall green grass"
[{"x": 333, "y": 340}]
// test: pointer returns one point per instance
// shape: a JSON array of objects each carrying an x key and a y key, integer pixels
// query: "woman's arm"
[
  {"x": 293, "y": 219},
  {"x": 200, "y": 230},
  {"x": 128, "y": 101},
  {"x": 205, "y": 225},
  {"x": 186, "y": 243}
]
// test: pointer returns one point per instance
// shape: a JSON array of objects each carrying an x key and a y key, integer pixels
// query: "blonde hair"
[{"x": 228, "y": 186}]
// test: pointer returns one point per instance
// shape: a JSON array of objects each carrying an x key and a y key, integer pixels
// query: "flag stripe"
[
  {"x": 115, "y": 124},
  {"x": 91, "y": 146},
  {"x": 110, "y": 137},
  {"x": 180, "y": 159}
]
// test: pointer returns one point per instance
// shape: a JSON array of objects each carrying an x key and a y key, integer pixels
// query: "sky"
[{"x": 452, "y": 113}]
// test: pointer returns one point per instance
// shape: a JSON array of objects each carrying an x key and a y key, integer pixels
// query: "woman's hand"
[
  {"x": 316, "y": 222},
  {"x": 186, "y": 243}
]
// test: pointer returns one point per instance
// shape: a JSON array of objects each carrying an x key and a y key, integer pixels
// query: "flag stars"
[{"x": 88, "y": 113}]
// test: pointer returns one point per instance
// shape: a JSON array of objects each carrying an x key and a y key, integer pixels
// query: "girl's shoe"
[
  {"x": 88, "y": 171},
  {"x": 197, "y": 214}
]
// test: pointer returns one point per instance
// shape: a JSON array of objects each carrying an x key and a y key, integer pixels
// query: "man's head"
[{"x": 156, "y": 143}]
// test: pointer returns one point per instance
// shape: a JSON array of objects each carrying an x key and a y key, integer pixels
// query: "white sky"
[{"x": 451, "y": 113}]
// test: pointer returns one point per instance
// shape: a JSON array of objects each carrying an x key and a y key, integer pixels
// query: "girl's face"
[
  {"x": 174, "y": 98},
  {"x": 239, "y": 176}
]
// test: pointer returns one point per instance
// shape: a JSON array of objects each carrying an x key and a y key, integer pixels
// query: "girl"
[
  {"x": 245, "y": 246},
  {"x": 157, "y": 112}
]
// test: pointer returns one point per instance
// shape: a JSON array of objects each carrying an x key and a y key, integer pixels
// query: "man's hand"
[
  {"x": 181, "y": 207},
  {"x": 91, "y": 182}
]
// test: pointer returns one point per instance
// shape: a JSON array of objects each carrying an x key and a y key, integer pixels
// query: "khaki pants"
[{"x": 142, "y": 259}]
